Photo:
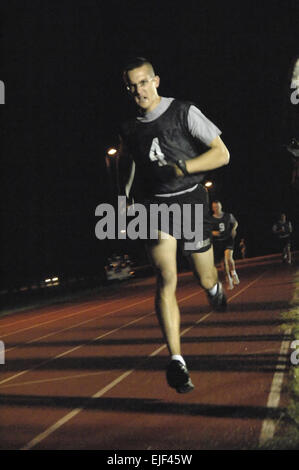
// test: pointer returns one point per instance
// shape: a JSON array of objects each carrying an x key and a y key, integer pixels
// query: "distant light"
[
  {"x": 112, "y": 151},
  {"x": 122, "y": 231},
  {"x": 55, "y": 278},
  {"x": 47, "y": 280},
  {"x": 208, "y": 184}
]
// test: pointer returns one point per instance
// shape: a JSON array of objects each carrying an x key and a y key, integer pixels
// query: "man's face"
[
  {"x": 216, "y": 207},
  {"x": 143, "y": 87}
]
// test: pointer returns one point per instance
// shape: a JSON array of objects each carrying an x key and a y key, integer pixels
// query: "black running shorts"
[
  {"x": 220, "y": 246},
  {"x": 185, "y": 217}
]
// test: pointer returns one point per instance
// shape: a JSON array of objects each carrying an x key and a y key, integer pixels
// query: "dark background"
[{"x": 61, "y": 63}]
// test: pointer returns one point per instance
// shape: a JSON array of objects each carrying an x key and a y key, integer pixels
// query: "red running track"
[{"x": 91, "y": 374}]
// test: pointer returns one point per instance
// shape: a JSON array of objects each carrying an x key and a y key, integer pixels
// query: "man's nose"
[{"x": 136, "y": 90}]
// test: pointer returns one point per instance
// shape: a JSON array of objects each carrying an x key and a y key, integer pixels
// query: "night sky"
[{"x": 61, "y": 63}]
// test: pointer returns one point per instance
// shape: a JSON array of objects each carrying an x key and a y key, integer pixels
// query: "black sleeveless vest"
[
  {"x": 286, "y": 226},
  {"x": 222, "y": 224},
  {"x": 164, "y": 140}
]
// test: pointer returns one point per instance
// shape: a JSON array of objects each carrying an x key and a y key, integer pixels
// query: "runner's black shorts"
[
  {"x": 284, "y": 242},
  {"x": 220, "y": 246},
  {"x": 187, "y": 219}
]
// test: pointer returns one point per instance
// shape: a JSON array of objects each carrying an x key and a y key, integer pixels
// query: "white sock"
[
  {"x": 213, "y": 291},
  {"x": 233, "y": 273},
  {"x": 177, "y": 357}
]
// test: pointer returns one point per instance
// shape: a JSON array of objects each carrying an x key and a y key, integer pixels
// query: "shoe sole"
[
  {"x": 179, "y": 380},
  {"x": 186, "y": 388}
]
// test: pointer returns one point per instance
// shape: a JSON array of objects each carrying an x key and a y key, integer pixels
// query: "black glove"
[
  {"x": 182, "y": 166},
  {"x": 173, "y": 170}
]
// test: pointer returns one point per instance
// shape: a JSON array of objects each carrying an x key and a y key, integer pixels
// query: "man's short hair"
[{"x": 135, "y": 63}]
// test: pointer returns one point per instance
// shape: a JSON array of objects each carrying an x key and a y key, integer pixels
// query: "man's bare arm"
[{"x": 215, "y": 157}]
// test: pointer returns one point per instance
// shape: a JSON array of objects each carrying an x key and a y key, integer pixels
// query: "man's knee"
[{"x": 167, "y": 279}]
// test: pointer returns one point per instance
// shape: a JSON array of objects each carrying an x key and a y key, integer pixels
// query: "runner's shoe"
[
  {"x": 230, "y": 284},
  {"x": 177, "y": 376},
  {"x": 218, "y": 301},
  {"x": 236, "y": 279}
]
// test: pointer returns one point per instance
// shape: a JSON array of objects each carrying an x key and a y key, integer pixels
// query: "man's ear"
[{"x": 157, "y": 81}]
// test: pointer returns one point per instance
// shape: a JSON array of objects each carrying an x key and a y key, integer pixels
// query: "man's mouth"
[{"x": 142, "y": 99}]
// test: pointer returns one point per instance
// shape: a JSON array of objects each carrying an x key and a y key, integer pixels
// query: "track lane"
[{"x": 120, "y": 353}]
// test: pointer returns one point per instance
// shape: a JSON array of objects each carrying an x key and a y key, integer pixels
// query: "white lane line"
[
  {"x": 19, "y": 374},
  {"x": 45, "y": 313},
  {"x": 54, "y": 379},
  {"x": 36, "y": 325},
  {"x": 75, "y": 326},
  {"x": 84, "y": 344},
  {"x": 269, "y": 425},
  {"x": 73, "y": 413},
  {"x": 47, "y": 361},
  {"x": 61, "y": 310},
  {"x": 57, "y": 332},
  {"x": 40, "y": 437}
]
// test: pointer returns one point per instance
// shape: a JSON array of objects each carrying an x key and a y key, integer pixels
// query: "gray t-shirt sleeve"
[
  {"x": 233, "y": 219},
  {"x": 201, "y": 127}
]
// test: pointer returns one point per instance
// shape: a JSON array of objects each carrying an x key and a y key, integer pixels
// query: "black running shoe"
[
  {"x": 177, "y": 376},
  {"x": 218, "y": 301}
]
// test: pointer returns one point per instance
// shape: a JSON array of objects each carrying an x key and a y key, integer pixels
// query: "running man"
[
  {"x": 224, "y": 233},
  {"x": 167, "y": 148},
  {"x": 283, "y": 229}
]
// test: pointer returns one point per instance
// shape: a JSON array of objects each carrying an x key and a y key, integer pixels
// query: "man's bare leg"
[
  {"x": 230, "y": 267},
  {"x": 163, "y": 257},
  {"x": 204, "y": 268},
  {"x": 206, "y": 272}
]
